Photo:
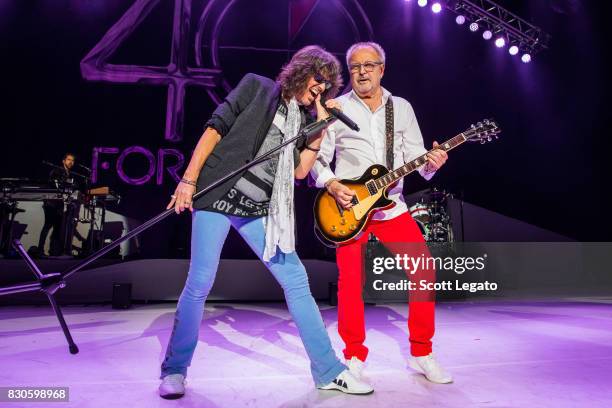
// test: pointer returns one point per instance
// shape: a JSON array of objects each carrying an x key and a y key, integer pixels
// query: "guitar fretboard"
[{"x": 411, "y": 166}]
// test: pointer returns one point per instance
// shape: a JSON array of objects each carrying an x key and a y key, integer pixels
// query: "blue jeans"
[{"x": 209, "y": 231}]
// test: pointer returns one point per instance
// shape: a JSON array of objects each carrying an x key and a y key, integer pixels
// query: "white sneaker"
[
  {"x": 356, "y": 367},
  {"x": 347, "y": 383},
  {"x": 172, "y": 386},
  {"x": 428, "y": 366}
]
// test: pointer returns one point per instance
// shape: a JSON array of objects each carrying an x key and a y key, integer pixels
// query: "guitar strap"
[{"x": 389, "y": 132}]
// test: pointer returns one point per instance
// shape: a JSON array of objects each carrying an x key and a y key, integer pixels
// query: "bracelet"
[
  {"x": 191, "y": 183},
  {"x": 328, "y": 183},
  {"x": 311, "y": 149}
]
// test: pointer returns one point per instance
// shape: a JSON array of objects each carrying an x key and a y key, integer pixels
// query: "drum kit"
[{"x": 430, "y": 214}]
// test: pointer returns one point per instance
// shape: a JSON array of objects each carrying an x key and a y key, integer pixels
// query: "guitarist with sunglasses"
[{"x": 380, "y": 117}]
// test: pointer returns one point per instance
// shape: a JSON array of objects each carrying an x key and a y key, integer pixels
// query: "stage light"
[
  {"x": 422, "y": 3},
  {"x": 500, "y": 42},
  {"x": 513, "y": 50},
  {"x": 493, "y": 21},
  {"x": 436, "y": 8},
  {"x": 526, "y": 58}
]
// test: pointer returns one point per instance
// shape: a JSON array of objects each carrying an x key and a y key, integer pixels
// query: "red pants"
[{"x": 351, "y": 322}]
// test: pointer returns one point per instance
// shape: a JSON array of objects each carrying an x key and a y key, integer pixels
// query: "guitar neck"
[{"x": 411, "y": 166}]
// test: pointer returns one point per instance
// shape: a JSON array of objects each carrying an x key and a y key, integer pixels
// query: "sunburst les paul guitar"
[{"x": 337, "y": 225}]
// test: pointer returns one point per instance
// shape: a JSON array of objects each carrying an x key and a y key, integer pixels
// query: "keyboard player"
[{"x": 60, "y": 177}]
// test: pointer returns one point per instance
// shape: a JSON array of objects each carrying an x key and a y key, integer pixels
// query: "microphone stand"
[
  {"x": 49, "y": 283},
  {"x": 91, "y": 209}
]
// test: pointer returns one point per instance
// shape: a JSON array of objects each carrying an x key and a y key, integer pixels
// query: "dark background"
[{"x": 550, "y": 167}]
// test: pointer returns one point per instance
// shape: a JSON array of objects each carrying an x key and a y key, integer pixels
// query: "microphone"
[
  {"x": 84, "y": 167},
  {"x": 343, "y": 118},
  {"x": 337, "y": 112}
]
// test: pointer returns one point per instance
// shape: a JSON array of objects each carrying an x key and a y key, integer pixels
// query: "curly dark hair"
[{"x": 309, "y": 62}]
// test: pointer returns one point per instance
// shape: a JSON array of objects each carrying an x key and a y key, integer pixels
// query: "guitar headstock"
[{"x": 484, "y": 131}]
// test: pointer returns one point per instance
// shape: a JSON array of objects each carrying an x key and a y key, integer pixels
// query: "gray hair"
[{"x": 369, "y": 44}]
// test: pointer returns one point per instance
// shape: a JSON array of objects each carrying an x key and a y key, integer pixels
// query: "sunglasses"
[{"x": 316, "y": 89}]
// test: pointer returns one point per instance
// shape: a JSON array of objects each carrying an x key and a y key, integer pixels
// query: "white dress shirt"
[{"x": 356, "y": 151}]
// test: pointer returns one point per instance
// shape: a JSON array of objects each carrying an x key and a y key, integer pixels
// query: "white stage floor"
[{"x": 502, "y": 354}]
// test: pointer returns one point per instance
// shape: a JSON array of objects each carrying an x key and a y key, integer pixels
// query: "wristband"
[
  {"x": 191, "y": 183},
  {"x": 328, "y": 183},
  {"x": 311, "y": 149}
]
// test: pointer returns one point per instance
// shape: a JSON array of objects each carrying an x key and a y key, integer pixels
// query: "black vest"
[{"x": 243, "y": 120}]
